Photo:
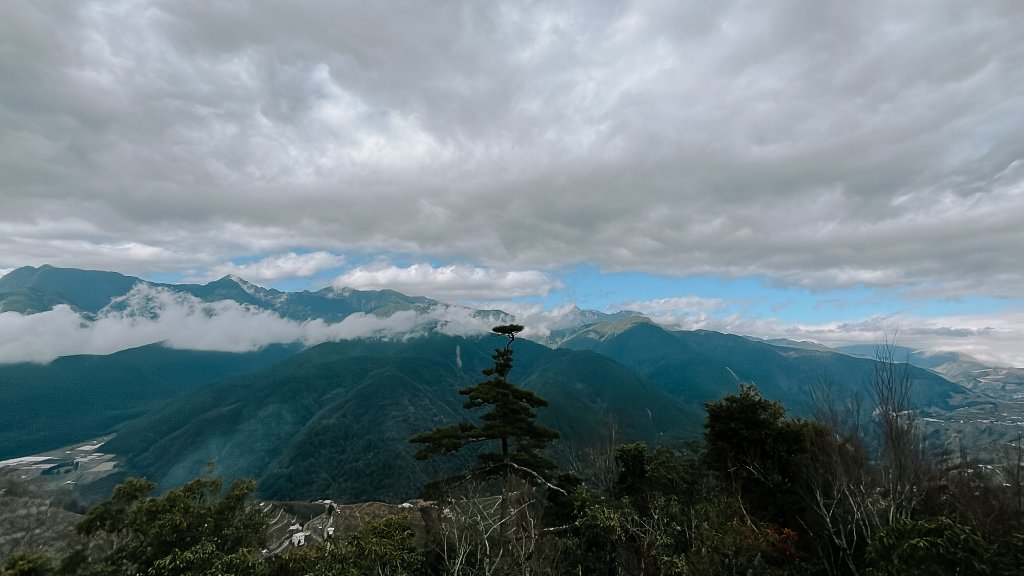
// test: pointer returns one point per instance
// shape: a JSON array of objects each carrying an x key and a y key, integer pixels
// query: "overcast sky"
[{"x": 804, "y": 169}]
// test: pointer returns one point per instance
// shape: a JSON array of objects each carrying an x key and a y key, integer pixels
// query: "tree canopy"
[
  {"x": 510, "y": 424},
  {"x": 189, "y": 531}
]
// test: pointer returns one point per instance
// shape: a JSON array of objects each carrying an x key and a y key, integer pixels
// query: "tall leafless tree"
[{"x": 901, "y": 458}]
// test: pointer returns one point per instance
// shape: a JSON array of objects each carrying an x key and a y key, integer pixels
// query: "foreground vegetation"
[{"x": 763, "y": 494}]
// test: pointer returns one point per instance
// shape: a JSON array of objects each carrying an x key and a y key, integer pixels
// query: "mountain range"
[
  {"x": 333, "y": 419},
  {"x": 30, "y": 290}
]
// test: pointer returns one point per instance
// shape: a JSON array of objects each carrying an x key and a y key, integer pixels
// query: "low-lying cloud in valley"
[
  {"x": 148, "y": 315},
  {"x": 990, "y": 338}
]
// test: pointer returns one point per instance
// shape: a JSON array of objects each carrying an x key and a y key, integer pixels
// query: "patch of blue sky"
[
  {"x": 835, "y": 305},
  {"x": 967, "y": 305},
  {"x": 164, "y": 277},
  {"x": 591, "y": 288},
  {"x": 752, "y": 296},
  {"x": 756, "y": 297},
  {"x": 294, "y": 284}
]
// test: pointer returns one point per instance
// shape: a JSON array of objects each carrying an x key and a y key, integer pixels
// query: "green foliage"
[
  {"x": 929, "y": 547},
  {"x": 382, "y": 547},
  {"x": 509, "y": 330},
  {"x": 511, "y": 421},
  {"x": 192, "y": 530},
  {"x": 112, "y": 515},
  {"x": 743, "y": 432},
  {"x": 27, "y": 564},
  {"x": 676, "y": 473},
  {"x": 1008, "y": 553},
  {"x": 632, "y": 462},
  {"x": 598, "y": 533},
  {"x": 667, "y": 515},
  {"x": 721, "y": 540},
  {"x": 750, "y": 444}
]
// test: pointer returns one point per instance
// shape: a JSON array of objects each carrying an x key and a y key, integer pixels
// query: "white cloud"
[
  {"x": 538, "y": 320},
  {"x": 676, "y": 304},
  {"x": 991, "y": 338},
  {"x": 279, "y": 266},
  {"x": 449, "y": 283},
  {"x": 460, "y": 321},
  {"x": 681, "y": 312},
  {"x": 147, "y": 315}
]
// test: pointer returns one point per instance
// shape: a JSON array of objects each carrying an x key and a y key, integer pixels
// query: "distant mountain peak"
[
  {"x": 252, "y": 289},
  {"x": 343, "y": 292},
  {"x": 85, "y": 290},
  {"x": 601, "y": 331}
]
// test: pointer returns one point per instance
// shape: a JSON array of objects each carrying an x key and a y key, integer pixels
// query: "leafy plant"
[{"x": 928, "y": 547}]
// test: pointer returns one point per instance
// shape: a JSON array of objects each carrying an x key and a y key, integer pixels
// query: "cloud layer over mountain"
[
  {"x": 147, "y": 315},
  {"x": 150, "y": 314}
]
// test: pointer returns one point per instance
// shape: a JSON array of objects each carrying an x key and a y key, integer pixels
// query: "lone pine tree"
[{"x": 510, "y": 423}]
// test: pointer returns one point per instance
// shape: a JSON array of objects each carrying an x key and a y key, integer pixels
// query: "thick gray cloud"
[{"x": 819, "y": 144}]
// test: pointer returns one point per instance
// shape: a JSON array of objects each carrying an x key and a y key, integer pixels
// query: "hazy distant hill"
[
  {"x": 787, "y": 343},
  {"x": 335, "y": 420},
  {"x": 698, "y": 366},
  {"x": 80, "y": 397},
  {"x": 1001, "y": 383}
]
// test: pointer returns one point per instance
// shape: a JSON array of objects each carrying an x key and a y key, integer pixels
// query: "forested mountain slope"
[
  {"x": 334, "y": 421},
  {"x": 75, "y": 398}
]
